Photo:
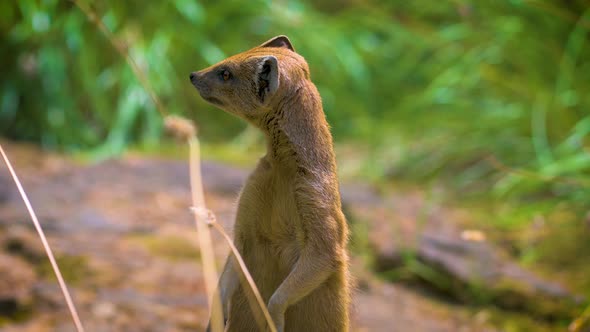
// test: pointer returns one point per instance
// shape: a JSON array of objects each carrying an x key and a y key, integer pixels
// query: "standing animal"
[{"x": 290, "y": 229}]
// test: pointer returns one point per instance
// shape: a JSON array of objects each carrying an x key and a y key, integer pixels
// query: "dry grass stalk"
[
  {"x": 205, "y": 217},
  {"x": 179, "y": 127},
  {"x": 122, "y": 49},
  {"x": 247, "y": 275},
  {"x": 185, "y": 130},
  {"x": 204, "y": 236},
  {"x": 60, "y": 279}
]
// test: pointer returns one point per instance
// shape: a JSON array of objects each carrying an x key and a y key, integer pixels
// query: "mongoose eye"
[{"x": 225, "y": 75}]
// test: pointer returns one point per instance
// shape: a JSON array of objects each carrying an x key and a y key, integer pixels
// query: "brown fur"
[{"x": 289, "y": 228}]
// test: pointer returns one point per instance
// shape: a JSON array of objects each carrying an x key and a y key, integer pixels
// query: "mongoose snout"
[{"x": 199, "y": 82}]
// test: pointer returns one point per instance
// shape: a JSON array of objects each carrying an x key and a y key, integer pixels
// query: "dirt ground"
[{"x": 127, "y": 245}]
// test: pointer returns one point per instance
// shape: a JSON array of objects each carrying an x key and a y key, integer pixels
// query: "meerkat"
[{"x": 289, "y": 229}]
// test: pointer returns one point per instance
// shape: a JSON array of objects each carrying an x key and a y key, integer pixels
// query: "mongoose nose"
[{"x": 192, "y": 76}]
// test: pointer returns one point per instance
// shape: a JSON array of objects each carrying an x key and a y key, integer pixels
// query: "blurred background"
[{"x": 462, "y": 131}]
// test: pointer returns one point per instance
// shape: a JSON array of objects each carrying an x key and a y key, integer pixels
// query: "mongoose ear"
[
  {"x": 267, "y": 77},
  {"x": 279, "y": 41}
]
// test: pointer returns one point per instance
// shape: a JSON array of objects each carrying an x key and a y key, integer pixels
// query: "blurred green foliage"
[{"x": 452, "y": 89}]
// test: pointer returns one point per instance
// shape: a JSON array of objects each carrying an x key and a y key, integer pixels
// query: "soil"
[{"x": 127, "y": 245}]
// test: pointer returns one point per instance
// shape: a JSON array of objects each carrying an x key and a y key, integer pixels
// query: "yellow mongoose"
[{"x": 289, "y": 228}]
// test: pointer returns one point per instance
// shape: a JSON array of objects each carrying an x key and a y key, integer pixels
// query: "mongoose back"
[{"x": 289, "y": 227}]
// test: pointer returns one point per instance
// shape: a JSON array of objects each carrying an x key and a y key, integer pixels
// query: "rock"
[
  {"x": 480, "y": 267},
  {"x": 467, "y": 268},
  {"x": 16, "y": 284}
]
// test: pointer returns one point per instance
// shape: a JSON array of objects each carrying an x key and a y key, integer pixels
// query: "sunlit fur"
[{"x": 289, "y": 228}]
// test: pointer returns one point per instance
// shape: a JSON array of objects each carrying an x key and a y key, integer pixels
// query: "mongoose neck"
[{"x": 297, "y": 132}]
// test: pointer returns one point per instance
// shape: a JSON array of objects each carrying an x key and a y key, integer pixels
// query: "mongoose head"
[{"x": 251, "y": 83}]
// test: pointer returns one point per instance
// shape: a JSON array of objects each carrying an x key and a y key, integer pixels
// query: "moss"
[
  {"x": 518, "y": 322},
  {"x": 74, "y": 269},
  {"x": 359, "y": 244},
  {"x": 168, "y": 246},
  {"x": 233, "y": 154},
  {"x": 12, "y": 312}
]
